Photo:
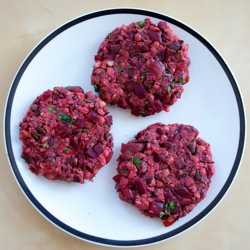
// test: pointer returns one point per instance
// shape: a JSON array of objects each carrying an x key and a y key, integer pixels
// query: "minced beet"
[
  {"x": 141, "y": 67},
  {"x": 165, "y": 171},
  {"x": 66, "y": 135}
]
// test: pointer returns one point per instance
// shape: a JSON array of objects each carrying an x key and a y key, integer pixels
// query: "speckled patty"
[
  {"x": 165, "y": 171},
  {"x": 141, "y": 67},
  {"x": 66, "y": 135}
]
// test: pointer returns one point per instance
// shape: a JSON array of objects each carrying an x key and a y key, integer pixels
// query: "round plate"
[{"x": 93, "y": 212}]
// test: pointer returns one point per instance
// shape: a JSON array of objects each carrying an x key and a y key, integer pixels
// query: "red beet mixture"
[
  {"x": 141, "y": 67},
  {"x": 66, "y": 135},
  {"x": 165, "y": 171}
]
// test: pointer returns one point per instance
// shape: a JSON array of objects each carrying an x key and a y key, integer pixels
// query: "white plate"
[{"x": 93, "y": 212}]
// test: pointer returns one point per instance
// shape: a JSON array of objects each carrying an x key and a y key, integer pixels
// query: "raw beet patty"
[
  {"x": 141, "y": 67},
  {"x": 165, "y": 171},
  {"x": 66, "y": 135}
]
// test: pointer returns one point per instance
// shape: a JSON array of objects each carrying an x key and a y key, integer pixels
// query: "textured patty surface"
[
  {"x": 142, "y": 67},
  {"x": 66, "y": 135},
  {"x": 165, "y": 171}
]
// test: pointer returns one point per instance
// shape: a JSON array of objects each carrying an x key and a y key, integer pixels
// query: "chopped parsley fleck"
[
  {"x": 136, "y": 161},
  {"x": 123, "y": 171},
  {"x": 168, "y": 74},
  {"x": 85, "y": 130},
  {"x": 72, "y": 121},
  {"x": 168, "y": 89},
  {"x": 140, "y": 24},
  {"x": 96, "y": 86},
  {"x": 143, "y": 74},
  {"x": 171, "y": 205},
  {"x": 167, "y": 209},
  {"x": 66, "y": 118},
  {"x": 120, "y": 69},
  {"x": 161, "y": 214},
  {"x": 66, "y": 149},
  {"x": 183, "y": 80},
  {"x": 52, "y": 109},
  {"x": 67, "y": 87},
  {"x": 109, "y": 36},
  {"x": 36, "y": 137}
]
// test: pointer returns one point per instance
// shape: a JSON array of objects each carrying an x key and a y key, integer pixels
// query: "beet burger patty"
[
  {"x": 165, "y": 171},
  {"x": 141, "y": 67},
  {"x": 66, "y": 135}
]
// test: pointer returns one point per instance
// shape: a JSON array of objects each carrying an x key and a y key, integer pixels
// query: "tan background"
[{"x": 225, "y": 23}]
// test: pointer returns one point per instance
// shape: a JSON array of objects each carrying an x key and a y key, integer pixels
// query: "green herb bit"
[
  {"x": 68, "y": 87},
  {"x": 69, "y": 181},
  {"x": 120, "y": 69},
  {"x": 183, "y": 80},
  {"x": 109, "y": 36},
  {"x": 129, "y": 67},
  {"x": 96, "y": 86},
  {"x": 144, "y": 74},
  {"x": 168, "y": 74},
  {"x": 161, "y": 214},
  {"x": 44, "y": 145},
  {"x": 169, "y": 207},
  {"x": 36, "y": 137},
  {"x": 65, "y": 117},
  {"x": 172, "y": 205},
  {"x": 168, "y": 89},
  {"x": 85, "y": 130},
  {"x": 136, "y": 161},
  {"x": 166, "y": 207},
  {"x": 142, "y": 23},
  {"x": 52, "y": 109},
  {"x": 73, "y": 121},
  {"x": 175, "y": 80},
  {"x": 123, "y": 171},
  {"x": 66, "y": 149}
]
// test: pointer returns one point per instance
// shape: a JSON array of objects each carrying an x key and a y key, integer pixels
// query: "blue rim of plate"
[{"x": 95, "y": 239}]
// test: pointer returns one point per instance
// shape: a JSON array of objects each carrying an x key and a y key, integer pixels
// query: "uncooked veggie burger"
[
  {"x": 142, "y": 67},
  {"x": 165, "y": 171},
  {"x": 66, "y": 135}
]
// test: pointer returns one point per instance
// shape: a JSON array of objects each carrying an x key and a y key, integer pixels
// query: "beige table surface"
[{"x": 225, "y": 23}]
